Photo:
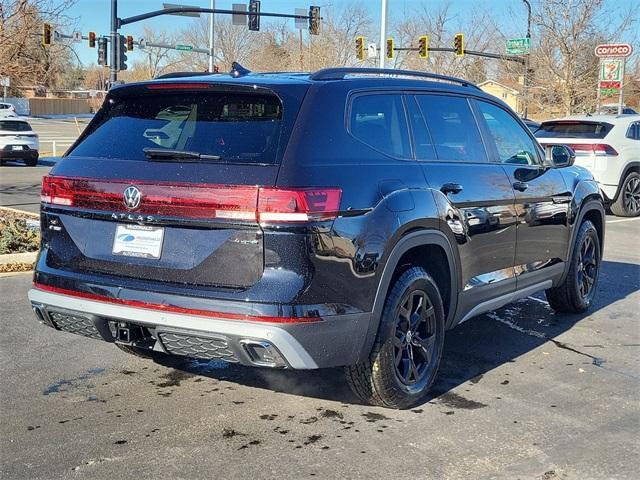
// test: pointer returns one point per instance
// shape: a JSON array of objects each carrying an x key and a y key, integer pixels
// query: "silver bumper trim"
[{"x": 295, "y": 355}]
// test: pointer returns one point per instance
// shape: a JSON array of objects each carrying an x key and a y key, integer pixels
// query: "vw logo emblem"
[{"x": 132, "y": 197}]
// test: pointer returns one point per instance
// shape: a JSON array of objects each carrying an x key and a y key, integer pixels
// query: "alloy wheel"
[
  {"x": 631, "y": 195},
  {"x": 587, "y": 267},
  {"x": 414, "y": 341}
]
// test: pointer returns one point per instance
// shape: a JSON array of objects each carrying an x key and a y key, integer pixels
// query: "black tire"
[
  {"x": 31, "y": 162},
  {"x": 628, "y": 202},
  {"x": 141, "y": 352},
  {"x": 576, "y": 293},
  {"x": 406, "y": 327}
]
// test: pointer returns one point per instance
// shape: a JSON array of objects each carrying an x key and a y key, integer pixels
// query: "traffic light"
[
  {"x": 46, "y": 34},
  {"x": 102, "y": 51},
  {"x": 458, "y": 44},
  {"x": 314, "y": 20},
  {"x": 122, "y": 48},
  {"x": 129, "y": 43},
  {"x": 254, "y": 20},
  {"x": 92, "y": 39},
  {"x": 360, "y": 48},
  {"x": 390, "y": 49},
  {"x": 423, "y": 46}
]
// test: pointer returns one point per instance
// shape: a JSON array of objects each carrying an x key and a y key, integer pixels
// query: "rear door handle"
[
  {"x": 451, "y": 188},
  {"x": 520, "y": 186}
]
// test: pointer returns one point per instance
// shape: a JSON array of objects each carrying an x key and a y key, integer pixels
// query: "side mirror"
[{"x": 559, "y": 156}]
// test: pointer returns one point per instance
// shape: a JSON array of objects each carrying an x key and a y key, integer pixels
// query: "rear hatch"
[
  {"x": 586, "y": 137},
  {"x": 17, "y": 133},
  {"x": 164, "y": 182}
]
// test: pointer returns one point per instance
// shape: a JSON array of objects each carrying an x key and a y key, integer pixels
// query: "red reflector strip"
[
  {"x": 597, "y": 148},
  {"x": 175, "y": 309},
  {"x": 178, "y": 86},
  {"x": 200, "y": 201},
  {"x": 185, "y": 200}
]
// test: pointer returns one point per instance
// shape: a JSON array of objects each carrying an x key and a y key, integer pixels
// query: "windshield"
[
  {"x": 232, "y": 126},
  {"x": 12, "y": 126},
  {"x": 573, "y": 129}
]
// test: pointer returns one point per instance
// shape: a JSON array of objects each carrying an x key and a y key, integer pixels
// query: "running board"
[{"x": 505, "y": 299}]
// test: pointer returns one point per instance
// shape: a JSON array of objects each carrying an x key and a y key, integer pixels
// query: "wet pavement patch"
[
  {"x": 230, "y": 433},
  {"x": 312, "y": 439},
  {"x": 307, "y": 421},
  {"x": 174, "y": 378},
  {"x": 119, "y": 442},
  {"x": 268, "y": 416},
  {"x": 374, "y": 417},
  {"x": 64, "y": 385},
  {"x": 330, "y": 414},
  {"x": 454, "y": 400}
]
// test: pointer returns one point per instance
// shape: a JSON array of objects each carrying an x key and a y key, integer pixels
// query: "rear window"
[
  {"x": 237, "y": 127},
  {"x": 573, "y": 130},
  {"x": 15, "y": 126}
]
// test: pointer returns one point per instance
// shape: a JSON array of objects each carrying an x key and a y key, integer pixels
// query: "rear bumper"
[
  {"x": 333, "y": 341},
  {"x": 7, "y": 154}
]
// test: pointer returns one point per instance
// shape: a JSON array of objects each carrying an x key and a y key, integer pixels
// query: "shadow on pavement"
[{"x": 471, "y": 349}]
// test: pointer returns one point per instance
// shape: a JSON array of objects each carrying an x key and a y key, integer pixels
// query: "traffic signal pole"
[
  {"x": 116, "y": 23},
  {"x": 113, "y": 64}
]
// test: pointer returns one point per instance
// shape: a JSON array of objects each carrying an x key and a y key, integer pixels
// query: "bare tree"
[
  {"x": 22, "y": 56},
  {"x": 563, "y": 60}
]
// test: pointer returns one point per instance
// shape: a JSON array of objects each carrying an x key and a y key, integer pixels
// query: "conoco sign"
[{"x": 614, "y": 50}]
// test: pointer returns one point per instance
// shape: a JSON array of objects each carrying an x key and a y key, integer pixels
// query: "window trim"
[
  {"x": 489, "y": 136},
  {"x": 370, "y": 92},
  {"x": 635, "y": 124},
  {"x": 468, "y": 98}
]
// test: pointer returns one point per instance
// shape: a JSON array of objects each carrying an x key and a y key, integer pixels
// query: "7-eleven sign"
[{"x": 611, "y": 70}]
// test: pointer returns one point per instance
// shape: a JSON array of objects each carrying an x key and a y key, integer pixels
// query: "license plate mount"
[{"x": 139, "y": 241}]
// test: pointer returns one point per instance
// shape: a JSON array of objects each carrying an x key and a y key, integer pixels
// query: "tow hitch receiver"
[{"x": 127, "y": 333}]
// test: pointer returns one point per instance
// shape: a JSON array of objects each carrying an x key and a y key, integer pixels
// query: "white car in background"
[
  {"x": 609, "y": 147},
  {"x": 18, "y": 141},
  {"x": 7, "y": 110}
]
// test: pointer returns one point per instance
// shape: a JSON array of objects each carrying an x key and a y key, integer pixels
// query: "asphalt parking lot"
[
  {"x": 20, "y": 185},
  {"x": 522, "y": 393}
]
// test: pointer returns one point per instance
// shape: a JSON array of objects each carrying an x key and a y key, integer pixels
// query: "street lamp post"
[{"x": 526, "y": 65}]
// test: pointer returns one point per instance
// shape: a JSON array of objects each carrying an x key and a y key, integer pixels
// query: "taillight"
[
  {"x": 298, "y": 205},
  {"x": 200, "y": 201},
  {"x": 594, "y": 148}
]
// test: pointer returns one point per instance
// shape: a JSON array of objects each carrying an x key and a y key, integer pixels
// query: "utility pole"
[
  {"x": 383, "y": 31},
  {"x": 526, "y": 65},
  {"x": 113, "y": 64},
  {"x": 211, "y": 38}
]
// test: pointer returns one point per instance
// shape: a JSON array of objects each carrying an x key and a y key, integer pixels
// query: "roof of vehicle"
[
  {"x": 369, "y": 77},
  {"x": 597, "y": 118},
  {"x": 13, "y": 119}
]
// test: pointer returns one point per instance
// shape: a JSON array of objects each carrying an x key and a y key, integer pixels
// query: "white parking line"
[
  {"x": 539, "y": 300},
  {"x": 623, "y": 220}
]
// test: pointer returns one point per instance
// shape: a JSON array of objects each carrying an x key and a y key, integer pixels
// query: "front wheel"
[
  {"x": 405, "y": 357},
  {"x": 576, "y": 293},
  {"x": 628, "y": 202}
]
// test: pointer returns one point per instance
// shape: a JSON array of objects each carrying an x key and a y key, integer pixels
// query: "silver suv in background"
[
  {"x": 18, "y": 141},
  {"x": 609, "y": 147}
]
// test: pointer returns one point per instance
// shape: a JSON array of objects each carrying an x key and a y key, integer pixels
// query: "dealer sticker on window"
[{"x": 138, "y": 241}]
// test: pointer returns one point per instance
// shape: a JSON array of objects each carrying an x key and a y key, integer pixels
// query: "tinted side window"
[
  {"x": 379, "y": 121},
  {"x": 453, "y": 128},
  {"x": 634, "y": 131},
  {"x": 512, "y": 141},
  {"x": 421, "y": 136}
]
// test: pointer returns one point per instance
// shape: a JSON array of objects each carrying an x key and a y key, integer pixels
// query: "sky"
[{"x": 94, "y": 15}]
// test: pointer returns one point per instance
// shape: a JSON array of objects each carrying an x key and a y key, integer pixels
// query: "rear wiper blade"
[{"x": 165, "y": 155}]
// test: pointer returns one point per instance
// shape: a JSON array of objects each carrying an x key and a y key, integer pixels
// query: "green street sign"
[
  {"x": 518, "y": 46},
  {"x": 184, "y": 47}
]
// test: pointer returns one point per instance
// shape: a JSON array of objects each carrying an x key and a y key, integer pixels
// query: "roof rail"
[
  {"x": 184, "y": 74},
  {"x": 338, "y": 73}
]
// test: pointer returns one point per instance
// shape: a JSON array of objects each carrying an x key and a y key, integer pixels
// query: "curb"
[
  {"x": 48, "y": 161},
  {"x": 27, "y": 257},
  {"x": 21, "y": 212}
]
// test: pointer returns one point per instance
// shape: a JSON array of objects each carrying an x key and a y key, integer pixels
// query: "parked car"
[
  {"x": 612, "y": 109},
  {"x": 531, "y": 124},
  {"x": 7, "y": 110},
  {"x": 18, "y": 141},
  {"x": 609, "y": 147},
  {"x": 347, "y": 217}
]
